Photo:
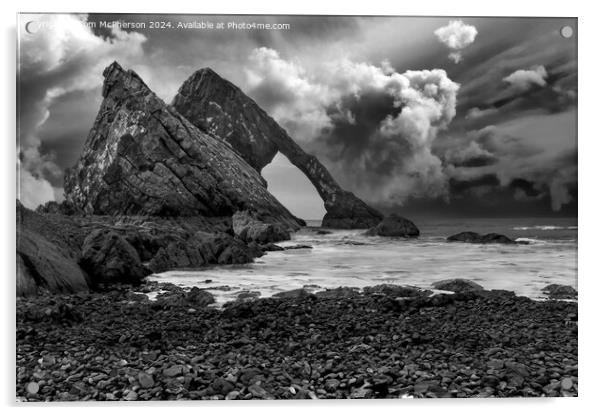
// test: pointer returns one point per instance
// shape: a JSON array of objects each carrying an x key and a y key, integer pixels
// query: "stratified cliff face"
[
  {"x": 142, "y": 157},
  {"x": 215, "y": 105}
]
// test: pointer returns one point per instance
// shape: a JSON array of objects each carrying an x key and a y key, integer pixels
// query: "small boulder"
[
  {"x": 560, "y": 292},
  {"x": 146, "y": 381},
  {"x": 248, "y": 295},
  {"x": 476, "y": 238},
  {"x": 193, "y": 298},
  {"x": 458, "y": 285},
  {"x": 394, "y": 225},
  {"x": 323, "y": 232},
  {"x": 222, "y": 386},
  {"x": 249, "y": 228},
  {"x": 259, "y": 393},
  {"x": 331, "y": 385},
  {"x": 173, "y": 371}
]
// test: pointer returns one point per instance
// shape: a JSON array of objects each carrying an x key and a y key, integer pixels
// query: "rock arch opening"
[{"x": 293, "y": 189}]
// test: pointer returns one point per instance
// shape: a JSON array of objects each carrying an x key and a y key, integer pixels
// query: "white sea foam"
[
  {"x": 334, "y": 262},
  {"x": 544, "y": 228}
]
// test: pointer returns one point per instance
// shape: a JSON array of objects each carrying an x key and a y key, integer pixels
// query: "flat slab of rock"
[
  {"x": 396, "y": 290},
  {"x": 476, "y": 238}
]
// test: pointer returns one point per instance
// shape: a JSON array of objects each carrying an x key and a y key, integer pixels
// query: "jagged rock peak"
[{"x": 115, "y": 74}]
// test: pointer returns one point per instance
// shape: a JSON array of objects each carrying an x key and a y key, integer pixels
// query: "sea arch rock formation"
[{"x": 217, "y": 106}]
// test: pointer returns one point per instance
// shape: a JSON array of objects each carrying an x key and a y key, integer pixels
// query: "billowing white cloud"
[
  {"x": 62, "y": 56},
  {"x": 273, "y": 79},
  {"x": 456, "y": 35},
  {"x": 525, "y": 79},
  {"x": 390, "y": 159},
  {"x": 32, "y": 191}
]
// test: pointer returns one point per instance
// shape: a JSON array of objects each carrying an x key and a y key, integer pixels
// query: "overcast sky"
[{"x": 424, "y": 116}]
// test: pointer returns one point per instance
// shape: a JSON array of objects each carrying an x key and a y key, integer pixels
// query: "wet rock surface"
[
  {"x": 60, "y": 253},
  {"x": 217, "y": 106},
  {"x": 394, "y": 225},
  {"x": 457, "y": 285},
  {"x": 348, "y": 344},
  {"x": 250, "y": 228},
  {"x": 558, "y": 292},
  {"x": 476, "y": 238}
]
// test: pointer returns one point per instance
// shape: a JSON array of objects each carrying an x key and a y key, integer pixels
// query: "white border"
[{"x": 590, "y": 204}]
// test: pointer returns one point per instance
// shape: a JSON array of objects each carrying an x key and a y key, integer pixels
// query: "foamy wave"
[
  {"x": 530, "y": 241},
  {"x": 544, "y": 228}
]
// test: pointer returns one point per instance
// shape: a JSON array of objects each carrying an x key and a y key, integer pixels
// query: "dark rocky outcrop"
[
  {"x": 46, "y": 258},
  {"x": 458, "y": 285},
  {"x": 216, "y": 106},
  {"x": 394, "y": 225},
  {"x": 108, "y": 257},
  {"x": 142, "y": 157},
  {"x": 560, "y": 292},
  {"x": 475, "y": 238},
  {"x": 201, "y": 248},
  {"x": 75, "y": 253}
]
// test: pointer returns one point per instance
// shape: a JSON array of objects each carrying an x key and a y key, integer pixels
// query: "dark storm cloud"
[
  {"x": 69, "y": 121},
  {"x": 526, "y": 45},
  {"x": 528, "y": 169},
  {"x": 362, "y": 116}
]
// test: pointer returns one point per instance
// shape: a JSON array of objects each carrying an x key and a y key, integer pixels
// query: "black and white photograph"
[{"x": 286, "y": 207}]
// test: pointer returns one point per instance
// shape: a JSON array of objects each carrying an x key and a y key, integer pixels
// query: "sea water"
[{"x": 349, "y": 258}]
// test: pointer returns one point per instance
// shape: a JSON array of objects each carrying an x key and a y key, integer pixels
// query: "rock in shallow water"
[
  {"x": 476, "y": 238},
  {"x": 560, "y": 292},
  {"x": 394, "y": 225}
]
